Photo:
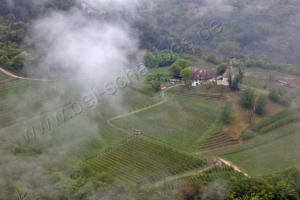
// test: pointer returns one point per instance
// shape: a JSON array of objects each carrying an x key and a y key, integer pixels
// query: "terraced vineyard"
[
  {"x": 143, "y": 160},
  {"x": 218, "y": 140},
  {"x": 278, "y": 120}
]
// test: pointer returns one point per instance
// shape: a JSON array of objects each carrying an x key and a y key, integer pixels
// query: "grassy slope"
[
  {"x": 267, "y": 153},
  {"x": 179, "y": 122},
  {"x": 3, "y": 76}
]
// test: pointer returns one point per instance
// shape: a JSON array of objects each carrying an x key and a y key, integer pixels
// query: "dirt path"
[
  {"x": 196, "y": 172},
  {"x": 164, "y": 100},
  {"x": 236, "y": 168},
  {"x": 21, "y": 77}
]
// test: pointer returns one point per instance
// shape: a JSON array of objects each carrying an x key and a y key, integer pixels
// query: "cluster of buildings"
[{"x": 202, "y": 76}]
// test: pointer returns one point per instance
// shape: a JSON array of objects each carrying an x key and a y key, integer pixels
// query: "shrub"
[
  {"x": 247, "y": 98},
  {"x": 280, "y": 123},
  {"x": 255, "y": 63},
  {"x": 248, "y": 135},
  {"x": 150, "y": 60},
  {"x": 183, "y": 63},
  {"x": 147, "y": 90},
  {"x": 156, "y": 87},
  {"x": 210, "y": 84},
  {"x": 187, "y": 76},
  {"x": 175, "y": 69},
  {"x": 166, "y": 58},
  {"x": 261, "y": 105},
  {"x": 212, "y": 58},
  {"x": 221, "y": 69},
  {"x": 280, "y": 96}
]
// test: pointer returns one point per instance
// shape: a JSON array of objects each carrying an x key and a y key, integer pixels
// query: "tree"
[
  {"x": 150, "y": 60},
  {"x": 221, "y": 69},
  {"x": 183, "y": 63},
  {"x": 234, "y": 84},
  {"x": 186, "y": 74},
  {"x": 166, "y": 58},
  {"x": 175, "y": 69},
  {"x": 280, "y": 96},
  {"x": 156, "y": 86},
  {"x": 212, "y": 59},
  {"x": 261, "y": 105},
  {"x": 247, "y": 98}
]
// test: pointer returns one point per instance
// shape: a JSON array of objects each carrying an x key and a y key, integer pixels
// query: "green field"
[
  {"x": 267, "y": 153},
  {"x": 179, "y": 122},
  {"x": 3, "y": 76}
]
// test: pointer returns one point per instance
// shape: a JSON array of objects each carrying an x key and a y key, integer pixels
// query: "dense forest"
[{"x": 244, "y": 30}]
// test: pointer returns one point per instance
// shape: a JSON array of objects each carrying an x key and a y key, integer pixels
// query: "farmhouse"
[
  {"x": 200, "y": 76},
  {"x": 228, "y": 74}
]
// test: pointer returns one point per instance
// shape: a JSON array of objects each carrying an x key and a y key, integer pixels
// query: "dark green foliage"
[
  {"x": 212, "y": 58},
  {"x": 156, "y": 87},
  {"x": 210, "y": 85},
  {"x": 158, "y": 77},
  {"x": 11, "y": 36},
  {"x": 281, "y": 122},
  {"x": 183, "y": 63},
  {"x": 247, "y": 98},
  {"x": 275, "y": 118},
  {"x": 282, "y": 185},
  {"x": 165, "y": 58},
  {"x": 147, "y": 90},
  {"x": 248, "y": 135},
  {"x": 255, "y": 63},
  {"x": 160, "y": 59},
  {"x": 221, "y": 68},
  {"x": 234, "y": 84},
  {"x": 281, "y": 96},
  {"x": 150, "y": 60},
  {"x": 175, "y": 69},
  {"x": 186, "y": 75},
  {"x": 261, "y": 105},
  {"x": 179, "y": 65}
]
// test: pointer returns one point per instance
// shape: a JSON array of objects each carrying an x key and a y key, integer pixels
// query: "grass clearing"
[{"x": 179, "y": 122}]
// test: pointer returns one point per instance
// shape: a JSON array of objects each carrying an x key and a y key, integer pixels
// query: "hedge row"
[
  {"x": 275, "y": 118},
  {"x": 280, "y": 123}
]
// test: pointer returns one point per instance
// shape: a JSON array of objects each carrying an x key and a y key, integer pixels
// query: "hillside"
[{"x": 149, "y": 100}]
